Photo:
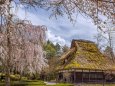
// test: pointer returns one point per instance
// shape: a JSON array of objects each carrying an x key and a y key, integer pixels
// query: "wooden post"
[
  {"x": 95, "y": 76},
  {"x": 103, "y": 78},
  {"x": 57, "y": 77},
  {"x": 74, "y": 76},
  {"x": 63, "y": 78},
  {"x": 82, "y": 75},
  {"x": 89, "y": 75}
]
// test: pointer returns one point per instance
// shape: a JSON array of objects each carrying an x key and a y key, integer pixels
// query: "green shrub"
[
  {"x": 15, "y": 77},
  {"x": 24, "y": 78}
]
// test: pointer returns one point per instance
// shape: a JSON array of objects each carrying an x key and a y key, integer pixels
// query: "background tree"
[
  {"x": 106, "y": 34},
  {"x": 58, "y": 49},
  {"x": 52, "y": 54},
  {"x": 65, "y": 48},
  {"x": 50, "y": 50}
]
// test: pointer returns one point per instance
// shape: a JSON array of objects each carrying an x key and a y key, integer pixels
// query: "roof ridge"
[{"x": 83, "y": 40}]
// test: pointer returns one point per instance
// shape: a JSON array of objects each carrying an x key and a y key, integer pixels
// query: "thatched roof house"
[{"x": 85, "y": 56}]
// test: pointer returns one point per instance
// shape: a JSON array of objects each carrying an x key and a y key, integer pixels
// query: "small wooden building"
[{"x": 83, "y": 62}]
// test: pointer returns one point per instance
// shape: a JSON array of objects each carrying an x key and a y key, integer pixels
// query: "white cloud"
[
  {"x": 55, "y": 39},
  {"x": 62, "y": 28}
]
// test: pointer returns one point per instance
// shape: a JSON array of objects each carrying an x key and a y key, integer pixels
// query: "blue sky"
[{"x": 60, "y": 30}]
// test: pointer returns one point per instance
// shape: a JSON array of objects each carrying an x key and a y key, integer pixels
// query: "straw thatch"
[{"x": 86, "y": 55}]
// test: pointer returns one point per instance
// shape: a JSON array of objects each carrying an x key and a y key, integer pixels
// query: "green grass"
[
  {"x": 41, "y": 83},
  {"x": 26, "y": 83},
  {"x": 33, "y": 83}
]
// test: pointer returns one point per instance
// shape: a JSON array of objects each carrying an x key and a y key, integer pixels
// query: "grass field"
[
  {"x": 25, "y": 83},
  {"x": 41, "y": 83},
  {"x": 33, "y": 83}
]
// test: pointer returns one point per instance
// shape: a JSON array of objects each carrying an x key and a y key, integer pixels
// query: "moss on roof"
[{"x": 86, "y": 55}]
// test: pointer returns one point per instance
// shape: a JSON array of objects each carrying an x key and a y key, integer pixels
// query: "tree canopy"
[{"x": 94, "y": 9}]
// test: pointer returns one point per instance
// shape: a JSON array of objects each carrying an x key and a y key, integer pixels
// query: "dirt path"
[{"x": 50, "y": 83}]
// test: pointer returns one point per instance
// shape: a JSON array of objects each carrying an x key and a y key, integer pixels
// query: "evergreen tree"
[{"x": 65, "y": 48}]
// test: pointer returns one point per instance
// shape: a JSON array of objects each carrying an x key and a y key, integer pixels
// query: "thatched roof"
[{"x": 85, "y": 54}]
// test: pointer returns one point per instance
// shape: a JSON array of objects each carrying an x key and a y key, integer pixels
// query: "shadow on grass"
[{"x": 25, "y": 83}]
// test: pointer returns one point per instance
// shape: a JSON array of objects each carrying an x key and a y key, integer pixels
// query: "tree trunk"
[
  {"x": 7, "y": 77},
  {"x": 20, "y": 76},
  {"x": 8, "y": 27}
]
